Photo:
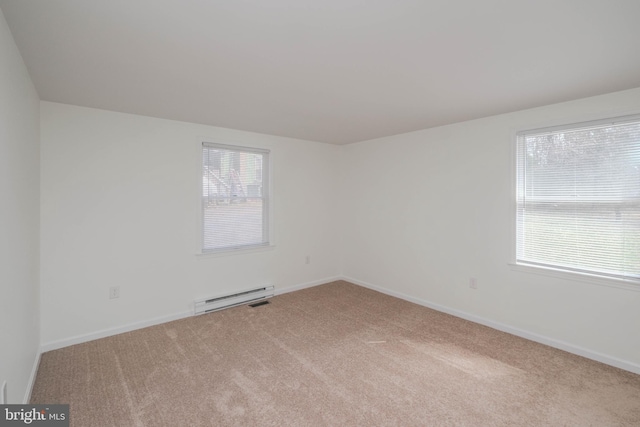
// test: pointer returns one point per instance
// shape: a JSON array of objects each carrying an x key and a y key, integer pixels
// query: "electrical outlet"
[
  {"x": 114, "y": 292},
  {"x": 473, "y": 283},
  {"x": 307, "y": 259},
  {"x": 3, "y": 393}
]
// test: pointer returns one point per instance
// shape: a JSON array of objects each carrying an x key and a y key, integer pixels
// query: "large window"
[
  {"x": 235, "y": 198},
  {"x": 578, "y": 198}
]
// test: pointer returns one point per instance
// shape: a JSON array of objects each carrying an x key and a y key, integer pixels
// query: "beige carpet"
[{"x": 336, "y": 355}]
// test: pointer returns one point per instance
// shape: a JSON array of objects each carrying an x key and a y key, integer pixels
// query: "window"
[
  {"x": 235, "y": 198},
  {"x": 578, "y": 198}
]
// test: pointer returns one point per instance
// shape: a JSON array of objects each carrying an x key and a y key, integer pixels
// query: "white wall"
[
  {"x": 119, "y": 208},
  {"x": 19, "y": 220},
  {"x": 426, "y": 211}
]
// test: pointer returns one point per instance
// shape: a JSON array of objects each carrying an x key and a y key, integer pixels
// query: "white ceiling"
[{"x": 336, "y": 71}]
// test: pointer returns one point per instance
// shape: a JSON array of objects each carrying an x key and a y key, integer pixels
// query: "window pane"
[
  {"x": 234, "y": 197},
  {"x": 579, "y": 198}
]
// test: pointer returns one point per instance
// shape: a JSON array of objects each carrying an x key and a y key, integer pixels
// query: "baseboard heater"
[{"x": 208, "y": 305}]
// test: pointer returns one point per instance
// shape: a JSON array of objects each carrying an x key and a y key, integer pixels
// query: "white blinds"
[
  {"x": 578, "y": 197},
  {"x": 234, "y": 197}
]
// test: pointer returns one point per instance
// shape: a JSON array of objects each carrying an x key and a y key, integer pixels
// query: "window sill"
[
  {"x": 630, "y": 285},
  {"x": 230, "y": 252}
]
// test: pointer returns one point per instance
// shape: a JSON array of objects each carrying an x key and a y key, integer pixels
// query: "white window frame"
[
  {"x": 268, "y": 222},
  {"x": 580, "y": 276}
]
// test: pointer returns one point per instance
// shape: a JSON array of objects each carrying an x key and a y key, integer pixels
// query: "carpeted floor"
[{"x": 335, "y": 355}]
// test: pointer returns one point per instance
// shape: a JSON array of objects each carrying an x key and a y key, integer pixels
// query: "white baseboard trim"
[
  {"x": 532, "y": 336},
  {"x": 32, "y": 379},
  {"x": 306, "y": 285},
  {"x": 78, "y": 339}
]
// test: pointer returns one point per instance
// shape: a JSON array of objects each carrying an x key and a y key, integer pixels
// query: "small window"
[
  {"x": 578, "y": 198},
  {"x": 235, "y": 197}
]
